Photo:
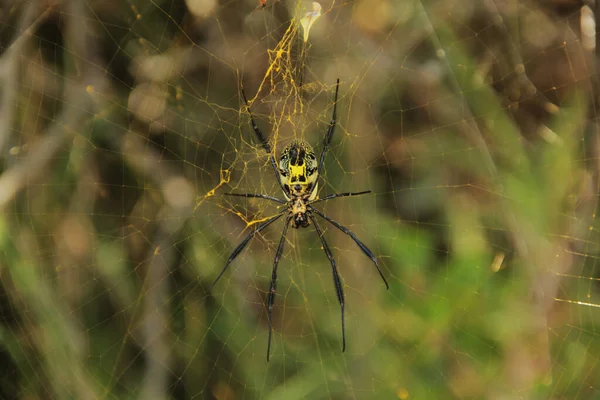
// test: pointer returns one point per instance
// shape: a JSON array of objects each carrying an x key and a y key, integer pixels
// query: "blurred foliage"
[{"x": 473, "y": 123}]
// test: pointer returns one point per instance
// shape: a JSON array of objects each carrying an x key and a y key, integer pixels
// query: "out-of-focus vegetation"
[{"x": 473, "y": 123}]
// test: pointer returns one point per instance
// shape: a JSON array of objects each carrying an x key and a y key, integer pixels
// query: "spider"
[{"x": 297, "y": 174}]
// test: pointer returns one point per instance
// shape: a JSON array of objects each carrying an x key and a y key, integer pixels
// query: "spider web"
[{"x": 474, "y": 126}]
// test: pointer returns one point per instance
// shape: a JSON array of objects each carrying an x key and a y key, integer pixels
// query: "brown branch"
[
  {"x": 178, "y": 195},
  {"x": 9, "y": 68}
]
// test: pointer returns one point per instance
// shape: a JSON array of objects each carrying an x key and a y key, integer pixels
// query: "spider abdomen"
[{"x": 298, "y": 169}]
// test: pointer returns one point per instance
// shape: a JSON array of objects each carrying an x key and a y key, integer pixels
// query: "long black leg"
[
  {"x": 257, "y": 195},
  {"x": 241, "y": 246},
  {"x": 263, "y": 141},
  {"x": 360, "y": 244},
  {"x": 272, "y": 289},
  {"x": 336, "y": 277},
  {"x": 335, "y": 195},
  {"x": 332, "y": 124}
]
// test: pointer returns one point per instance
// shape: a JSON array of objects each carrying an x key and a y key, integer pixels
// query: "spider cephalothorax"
[{"x": 297, "y": 175}]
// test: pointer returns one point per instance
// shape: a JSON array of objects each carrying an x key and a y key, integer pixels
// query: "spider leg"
[
  {"x": 257, "y": 195},
  {"x": 272, "y": 288},
  {"x": 335, "y": 195},
  {"x": 329, "y": 134},
  {"x": 263, "y": 141},
  {"x": 336, "y": 277},
  {"x": 360, "y": 244},
  {"x": 241, "y": 246}
]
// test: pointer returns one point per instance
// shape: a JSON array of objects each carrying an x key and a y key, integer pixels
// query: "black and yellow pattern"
[
  {"x": 297, "y": 175},
  {"x": 298, "y": 170}
]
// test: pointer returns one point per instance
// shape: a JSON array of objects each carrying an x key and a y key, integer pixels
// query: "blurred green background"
[{"x": 474, "y": 124}]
